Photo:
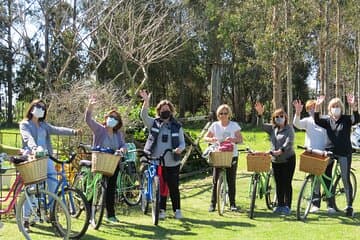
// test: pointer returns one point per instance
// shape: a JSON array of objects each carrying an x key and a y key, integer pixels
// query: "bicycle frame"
[
  {"x": 150, "y": 173},
  {"x": 14, "y": 191}
]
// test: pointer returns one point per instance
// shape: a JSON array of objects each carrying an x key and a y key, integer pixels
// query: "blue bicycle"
[
  {"x": 73, "y": 198},
  {"x": 150, "y": 184}
]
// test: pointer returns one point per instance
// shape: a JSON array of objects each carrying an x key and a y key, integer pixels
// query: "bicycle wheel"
[
  {"x": 130, "y": 187},
  {"x": 254, "y": 182},
  {"x": 156, "y": 200},
  {"x": 339, "y": 192},
  {"x": 221, "y": 194},
  {"x": 80, "y": 182},
  {"x": 270, "y": 191},
  {"x": 98, "y": 203},
  {"x": 144, "y": 190},
  {"x": 32, "y": 208},
  {"x": 79, "y": 211},
  {"x": 305, "y": 198}
]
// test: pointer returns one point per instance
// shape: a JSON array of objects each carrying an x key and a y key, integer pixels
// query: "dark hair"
[
  {"x": 118, "y": 117},
  {"x": 29, "y": 115}
]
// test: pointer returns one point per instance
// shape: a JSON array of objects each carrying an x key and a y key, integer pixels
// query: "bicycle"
[
  {"x": 74, "y": 199},
  {"x": 262, "y": 180},
  {"x": 93, "y": 185},
  {"x": 319, "y": 160},
  {"x": 128, "y": 181},
  {"x": 35, "y": 196},
  {"x": 150, "y": 184}
]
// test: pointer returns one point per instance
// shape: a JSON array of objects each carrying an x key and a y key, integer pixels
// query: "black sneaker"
[
  {"x": 349, "y": 212},
  {"x": 212, "y": 208},
  {"x": 27, "y": 226}
]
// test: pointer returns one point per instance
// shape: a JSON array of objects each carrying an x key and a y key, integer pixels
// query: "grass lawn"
[{"x": 198, "y": 223}]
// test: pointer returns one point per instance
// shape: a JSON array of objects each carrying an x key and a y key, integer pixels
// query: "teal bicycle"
[{"x": 335, "y": 191}]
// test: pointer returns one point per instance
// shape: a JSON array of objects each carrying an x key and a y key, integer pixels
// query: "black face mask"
[{"x": 165, "y": 114}]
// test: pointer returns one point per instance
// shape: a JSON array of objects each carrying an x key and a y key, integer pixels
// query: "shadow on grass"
[{"x": 321, "y": 217}]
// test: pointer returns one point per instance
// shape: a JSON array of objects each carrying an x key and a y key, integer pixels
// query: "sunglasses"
[
  {"x": 38, "y": 105},
  {"x": 114, "y": 117},
  {"x": 279, "y": 116},
  {"x": 223, "y": 113}
]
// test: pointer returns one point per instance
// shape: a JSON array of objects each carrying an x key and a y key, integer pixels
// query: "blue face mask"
[
  {"x": 111, "y": 122},
  {"x": 311, "y": 112},
  {"x": 279, "y": 120}
]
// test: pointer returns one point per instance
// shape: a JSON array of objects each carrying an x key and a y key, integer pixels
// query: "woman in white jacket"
[{"x": 315, "y": 138}]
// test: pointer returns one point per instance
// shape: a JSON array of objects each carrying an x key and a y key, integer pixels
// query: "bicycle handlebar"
[
  {"x": 323, "y": 153},
  {"x": 71, "y": 158},
  {"x": 149, "y": 158}
]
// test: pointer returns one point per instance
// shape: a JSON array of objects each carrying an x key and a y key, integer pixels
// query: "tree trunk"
[
  {"x": 215, "y": 95},
  {"x": 337, "y": 54},
  {"x": 358, "y": 68},
  {"x": 277, "y": 91},
  {"x": 9, "y": 66},
  {"x": 288, "y": 66}
]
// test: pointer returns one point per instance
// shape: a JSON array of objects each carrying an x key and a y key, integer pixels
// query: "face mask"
[
  {"x": 111, "y": 122},
  {"x": 279, "y": 120},
  {"x": 311, "y": 112},
  {"x": 336, "y": 112},
  {"x": 38, "y": 112},
  {"x": 165, "y": 114}
]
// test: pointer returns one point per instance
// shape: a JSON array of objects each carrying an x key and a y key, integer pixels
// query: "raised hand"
[
  {"x": 145, "y": 95},
  {"x": 259, "y": 108},
  {"x": 351, "y": 100},
  {"x": 92, "y": 101},
  {"x": 298, "y": 106},
  {"x": 320, "y": 99}
]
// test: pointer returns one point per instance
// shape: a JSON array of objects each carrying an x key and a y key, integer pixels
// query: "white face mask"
[
  {"x": 336, "y": 112},
  {"x": 111, "y": 122},
  {"x": 38, "y": 112}
]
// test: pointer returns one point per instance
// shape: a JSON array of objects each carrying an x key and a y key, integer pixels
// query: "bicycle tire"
[
  {"x": 36, "y": 199},
  {"x": 340, "y": 202},
  {"x": 130, "y": 188},
  {"x": 144, "y": 189},
  {"x": 221, "y": 194},
  {"x": 254, "y": 183},
  {"x": 305, "y": 199},
  {"x": 270, "y": 191},
  {"x": 79, "y": 211},
  {"x": 98, "y": 203},
  {"x": 156, "y": 200}
]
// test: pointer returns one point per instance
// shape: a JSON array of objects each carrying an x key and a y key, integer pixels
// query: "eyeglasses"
[
  {"x": 280, "y": 116},
  {"x": 38, "y": 105},
  {"x": 223, "y": 113}
]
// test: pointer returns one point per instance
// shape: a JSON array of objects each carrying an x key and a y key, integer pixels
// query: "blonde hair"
[
  {"x": 309, "y": 104},
  {"x": 277, "y": 112},
  {"x": 335, "y": 101},
  {"x": 226, "y": 107}
]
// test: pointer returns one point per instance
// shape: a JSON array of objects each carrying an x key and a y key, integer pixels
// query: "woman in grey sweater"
[
  {"x": 164, "y": 133},
  {"x": 35, "y": 132},
  {"x": 283, "y": 155}
]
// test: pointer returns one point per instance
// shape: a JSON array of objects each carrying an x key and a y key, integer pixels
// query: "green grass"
[{"x": 198, "y": 223}]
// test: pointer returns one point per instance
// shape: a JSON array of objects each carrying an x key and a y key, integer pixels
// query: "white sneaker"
[
  {"x": 178, "y": 214},
  {"x": 162, "y": 214},
  {"x": 331, "y": 210},
  {"x": 314, "y": 209}
]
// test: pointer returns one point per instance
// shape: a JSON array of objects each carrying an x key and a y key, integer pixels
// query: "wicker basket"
[
  {"x": 313, "y": 163},
  {"x": 258, "y": 162},
  {"x": 104, "y": 163},
  {"x": 33, "y": 171},
  {"x": 220, "y": 159}
]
